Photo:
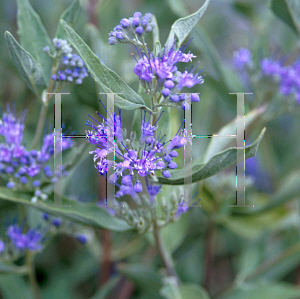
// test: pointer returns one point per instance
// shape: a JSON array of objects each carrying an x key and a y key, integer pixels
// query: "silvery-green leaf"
[
  {"x": 183, "y": 26},
  {"x": 107, "y": 79},
  {"x": 29, "y": 69},
  {"x": 88, "y": 214},
  {"x": 289, "y": 12},
  {"x": 69, "y": 15},
  {"x": 34, "y": 37},
  {"x": 216, "y": 164},
  {"x": 219, "y": 143}
]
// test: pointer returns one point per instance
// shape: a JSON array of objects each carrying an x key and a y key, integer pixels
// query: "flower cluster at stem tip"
[
  {"x": 71, "y": 67},
  {"x": 25, "y": 169},
  {"x": 130, "y": 30},
  {"x": 158, "y": 73},
  {"x": 135, "y": 161}
]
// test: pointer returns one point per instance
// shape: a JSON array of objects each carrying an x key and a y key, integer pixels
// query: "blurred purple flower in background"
[
  {"x": 242, "y": 58},
  {"x": 288, "y": 77}
]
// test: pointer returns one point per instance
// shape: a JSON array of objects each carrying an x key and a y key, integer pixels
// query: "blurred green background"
[{"x": 241, "y": 253}]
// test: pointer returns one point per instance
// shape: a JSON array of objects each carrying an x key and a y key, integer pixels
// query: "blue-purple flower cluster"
[
  {"x": 151, "y": 155},
  {"x": 23, "y": 168},
  {"x": 129, "y": 30},
  {"x": 21, "y": 238},
  {"x": 160, "y": 74},
  {"x": 71, "y": 67},
  {"x": 31, "y": 240},
  {"x": 288, "y": 77}
]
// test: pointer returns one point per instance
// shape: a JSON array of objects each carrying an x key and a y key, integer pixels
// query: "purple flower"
[
  {"x": 30, "y": 240},
  {"x": 241, "y": 58},
  {"x": 76, "y": 67},
  {"x": 56, "y": 222},
  {"x": 139, "y": 30},
  {"x": 125, "y": 23},
  {"x": 138, "y": 188},
  {"x": 163, "y": 68},
  {"x": 166, "y": 174},
  {"x": 181, "y": 209},
  {"x": 82, "y": 239},
  {"x": 177, "y": 141},
  {"x": 18, "y": 164},
  {"x": 132, "y": 161},
  {"x": 287, "y": 76},
  {"x": 2, "y": 246}
]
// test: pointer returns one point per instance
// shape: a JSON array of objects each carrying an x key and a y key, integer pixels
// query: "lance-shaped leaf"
[
  {"x": 27, "y": 66},
  {"x": 218, "y": 144},
  {"x": 183, "y": 26},
  {"x": 88, "y": 214},
  {"x": 107, "y": 79},
  {"x": 69, "y": 15},
  {"x": 216, "y": 164},
  {"x": 289, "y": 12},
  {"x": 34, "y": 37}
]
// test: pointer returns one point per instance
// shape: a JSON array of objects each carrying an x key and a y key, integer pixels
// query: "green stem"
[
  {"x": 43, "y": 113},
  {"x": 209, "y": 255},
  {"x": 164, "y": 254},
  {"x": 32, "y": 277},
  {"x": 40, "y": 126}
]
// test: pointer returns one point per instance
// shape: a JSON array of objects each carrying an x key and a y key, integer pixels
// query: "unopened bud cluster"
[
  {"x": 71, "y": 67},
  {"x": 130, "y": 30}
]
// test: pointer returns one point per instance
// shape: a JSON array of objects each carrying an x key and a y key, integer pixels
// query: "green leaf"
[
  {"x": 276, "y": 267},
  {"x": 216, "y": 164},
  {"x": 252, "y": 227},
  {"x": 69, "y": 15},
  {"x": 155, "y": 31},
  {"x": 289, "y": 12},
  {"x": 88, "y": 214},
  {"x": 173, "y": 234},
  {"x": 7, "y": 268},
  {"x": 218, "y": 144},
  {"x": 265, "y": 290},
  {"x": 183, "y": 26},
  {"x": 192, "y": 291},
  {"x": 34, "y": 37},
  {"x": 184, "y": 291},
  {"x": 26, "y": 65},
  {"x": 13, "y": 286},
  {"x": 104, "y": 290},
  {"x": 288, "y": 190},
  {"x": 107, "y": 79},
  {"x": 144, "y": 276}
]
